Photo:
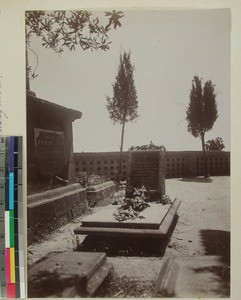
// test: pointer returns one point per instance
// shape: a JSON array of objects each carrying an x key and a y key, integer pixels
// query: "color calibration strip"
[{"x": 12, "y": 278}]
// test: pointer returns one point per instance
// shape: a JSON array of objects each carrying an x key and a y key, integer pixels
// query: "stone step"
[{"x": 68, "y": 274}]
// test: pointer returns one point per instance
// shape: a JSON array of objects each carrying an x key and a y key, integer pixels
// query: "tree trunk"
[
  {"x": 27, "y": 65},
  {"x": 121, "y": 149},
  {"x": 205, "y": 164},
  {"x": 27, "y": 75}
]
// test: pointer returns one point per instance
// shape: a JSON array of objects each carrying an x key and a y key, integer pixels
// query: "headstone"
[
  {"x": 146, "y": 168},
  {"x": 49, "y": 143}
]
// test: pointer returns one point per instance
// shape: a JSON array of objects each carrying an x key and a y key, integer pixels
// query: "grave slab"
[
  {"x": 193, "y": 277},
  {"x": 68, "y": 274},
  {"x": 165, "y": 222},
  {"x": 152, "y": 217}
]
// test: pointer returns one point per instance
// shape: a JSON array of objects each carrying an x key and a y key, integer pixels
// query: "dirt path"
[
  {"x": 204, "y": 216},
  {"x": 202, "y": 229}
]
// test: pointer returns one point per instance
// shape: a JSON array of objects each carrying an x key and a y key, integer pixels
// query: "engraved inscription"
[
  {"x": 145, "y": 170},
  {"x": 50, "y": 150}
]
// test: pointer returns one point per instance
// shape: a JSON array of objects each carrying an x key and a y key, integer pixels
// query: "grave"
[
  {"x": 152, "y": 217},
  {"x": 68, "y": 274},
  {"x": 146, "y": 168},
  {"x": 193, "y": 277},
  {"x": 156, "y": 222}
]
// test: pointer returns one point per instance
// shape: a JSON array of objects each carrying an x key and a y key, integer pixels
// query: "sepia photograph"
[{"x": 128, "y": 117}]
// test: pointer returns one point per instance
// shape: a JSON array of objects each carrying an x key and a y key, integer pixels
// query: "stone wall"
[
  {"x": 99, "y": 192},
  {"x": 54, "y": 208},
  {"x": 49, "y": 210},
  {"x": 177, "y": 163}
]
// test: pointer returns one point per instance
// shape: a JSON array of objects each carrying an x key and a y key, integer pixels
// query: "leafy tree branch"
[{"x": 60, "y": 30}]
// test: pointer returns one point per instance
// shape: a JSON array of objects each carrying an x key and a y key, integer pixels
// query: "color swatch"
[{"x": 12, "y": 278}]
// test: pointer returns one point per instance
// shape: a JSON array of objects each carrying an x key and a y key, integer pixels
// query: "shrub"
[{"x": 85, "y": 179}]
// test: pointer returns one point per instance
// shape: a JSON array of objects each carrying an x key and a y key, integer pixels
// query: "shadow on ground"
[
  {"x": 196, "y": 179},
  {"x": 216, "y": 242},
  {"x": 121, "y": 246},
  {"x": 125, "y": 246}
]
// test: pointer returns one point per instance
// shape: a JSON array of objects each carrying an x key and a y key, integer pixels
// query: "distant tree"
[
  {"x": 151, "y": 146},
  {"x": 216, "y": 145},
  {"x": 122, "y": 107},
  {"x": 61, "y": 30},
  {"x": 202, "y": 112}
]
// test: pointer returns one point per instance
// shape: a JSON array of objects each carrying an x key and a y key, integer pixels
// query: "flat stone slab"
[
  {"x": 193, "y": 277},
  {"x": 165, "y": 223},
  {"x": 152, "y": 218},
  {"x": 67, "y": 274}
]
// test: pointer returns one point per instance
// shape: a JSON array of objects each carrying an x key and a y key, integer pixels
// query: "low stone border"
[
  {"x": 52, "y": 209},
  {"x": 99, "y": 192}
]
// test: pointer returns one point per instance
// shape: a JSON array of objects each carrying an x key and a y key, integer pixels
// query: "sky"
[{"x": 168, "y": 48}]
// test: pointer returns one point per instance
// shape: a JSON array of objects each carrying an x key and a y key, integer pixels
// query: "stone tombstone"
[
  {"x": 49, "y": 142},
  {"x": 146, "y": 167}
]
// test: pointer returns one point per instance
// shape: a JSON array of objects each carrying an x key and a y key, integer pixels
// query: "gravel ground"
[{"x": 203, "y": 228}]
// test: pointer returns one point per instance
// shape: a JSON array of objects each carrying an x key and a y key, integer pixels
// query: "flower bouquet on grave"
[
  {"x": 165, "y": 200},
  {"x": 130, "y": 208}
]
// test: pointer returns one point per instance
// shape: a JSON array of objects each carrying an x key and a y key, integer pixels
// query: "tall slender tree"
[
  {"x": 123, "y": 105},
  {"x": 202, "y": 112}
]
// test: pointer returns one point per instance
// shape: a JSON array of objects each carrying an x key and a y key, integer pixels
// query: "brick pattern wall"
[
  {"x": 190, "y": 163},
  {"x": 177, "y": 163},
  {"x": 101, "y": 163},
  {"x": 162, "y": 172}
]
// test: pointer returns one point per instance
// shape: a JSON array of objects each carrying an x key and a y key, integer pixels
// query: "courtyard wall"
[{"x": 177, "y": 163}]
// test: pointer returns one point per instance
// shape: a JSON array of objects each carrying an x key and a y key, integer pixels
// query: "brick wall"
[
  {"x": 190, "y": 163},
  {"x": 177, "y": 163},
  {"x": 101, "y": 163}
]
